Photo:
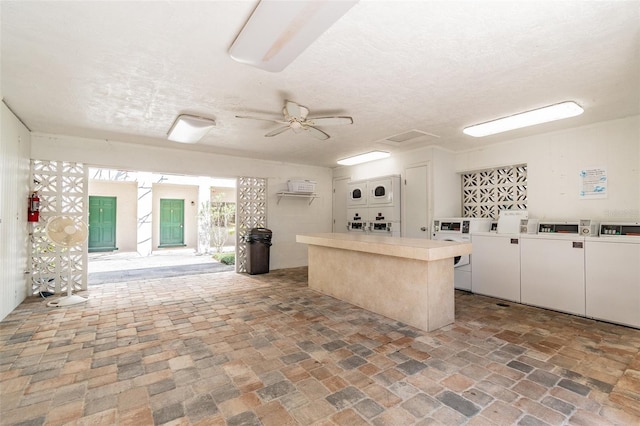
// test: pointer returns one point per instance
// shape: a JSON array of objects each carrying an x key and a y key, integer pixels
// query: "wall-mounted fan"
[
  {"x": 296, "y": 118},
  {"x": 67, "y": 232}
]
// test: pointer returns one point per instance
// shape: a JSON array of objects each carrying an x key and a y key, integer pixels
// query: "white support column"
[
  {"x": 204, "y": 224},
  {"x": 145, "y": 208}
]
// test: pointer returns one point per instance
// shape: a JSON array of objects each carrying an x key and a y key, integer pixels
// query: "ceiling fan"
[{"x": 296, "y": 118}]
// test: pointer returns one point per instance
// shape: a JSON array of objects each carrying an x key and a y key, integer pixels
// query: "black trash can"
[{"x": 258, "y": 245}]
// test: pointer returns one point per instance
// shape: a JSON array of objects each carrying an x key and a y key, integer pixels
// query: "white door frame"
[
  {"x": 336, "y": 227},
  {"x": 428, "y": 188}
]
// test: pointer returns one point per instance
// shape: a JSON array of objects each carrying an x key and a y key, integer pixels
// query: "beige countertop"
[{"x": 409, "y": 248}]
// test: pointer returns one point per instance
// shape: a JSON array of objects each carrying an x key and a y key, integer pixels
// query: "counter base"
[{"x": 416, "y": 292}]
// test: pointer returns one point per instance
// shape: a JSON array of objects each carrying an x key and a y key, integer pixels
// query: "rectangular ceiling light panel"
[
  {"x": 363, "y": 158},
  {"x": 189, "y": 128},
  {"x": 529, "y": 118},
  {"x": 278, "y": 31}
]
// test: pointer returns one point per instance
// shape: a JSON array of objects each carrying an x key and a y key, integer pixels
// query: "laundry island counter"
[{"x": 406, "y": 279}]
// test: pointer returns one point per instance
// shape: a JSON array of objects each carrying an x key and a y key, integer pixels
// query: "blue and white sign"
[{"x": 593, "y": 183}]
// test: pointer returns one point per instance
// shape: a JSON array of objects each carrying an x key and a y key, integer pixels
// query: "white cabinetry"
[
  {"x": 496, "y": 265},
  {"x": 613, "y": 279},
  {"x": 552, "y": 272}
]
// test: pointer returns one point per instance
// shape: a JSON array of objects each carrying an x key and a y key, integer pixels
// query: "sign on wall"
[{"x": 593, "y": 183}]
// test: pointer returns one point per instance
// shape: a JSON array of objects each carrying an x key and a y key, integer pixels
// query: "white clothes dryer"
[{"x": 357, "y": 195}]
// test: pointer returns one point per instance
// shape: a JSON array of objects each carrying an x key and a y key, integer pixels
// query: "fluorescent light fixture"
[
  {"x": 524, "y": 119},
  {"x": 278, "y": 31},
  {"x": 363, "y": 158},
  {"x": 189, "y": 128}
]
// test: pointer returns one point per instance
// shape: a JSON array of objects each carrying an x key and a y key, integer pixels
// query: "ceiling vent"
[{"x": 409, "y": 136}]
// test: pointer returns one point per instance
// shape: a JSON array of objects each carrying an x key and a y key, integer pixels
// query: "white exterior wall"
[
  {"x": 290, "y": 217},
  {"x": 14, "y": 229},
  {"x": 554, "y": 161}
]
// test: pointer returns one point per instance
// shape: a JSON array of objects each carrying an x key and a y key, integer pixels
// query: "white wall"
[
  {"x": 554, "y": 161},
  {"x": 290, "y": 217},
  {"x": 14, "y": 229},
  {"x": 444, "y": 183}
]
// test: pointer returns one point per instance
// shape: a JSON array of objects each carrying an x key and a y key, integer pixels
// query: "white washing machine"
[
  {"x": 496, "y": 265},
  {"x": 459, "y": 229},
  {"x": 552, "y": 268},
  {"x": 357, "y": 219},
  {"x": 612, "y": 268}
]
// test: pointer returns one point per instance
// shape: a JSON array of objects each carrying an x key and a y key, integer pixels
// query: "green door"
[
  {"x": 102, "y": 224},
  {"x": 171, "y": 223}
]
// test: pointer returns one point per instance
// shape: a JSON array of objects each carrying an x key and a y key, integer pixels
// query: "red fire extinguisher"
[{"x": 33, "y": 212}]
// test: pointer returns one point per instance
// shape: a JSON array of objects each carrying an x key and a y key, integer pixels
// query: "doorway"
[
  {"x": 102, "y": 224},
  {"x": 171, "y": 223},
  {"x": 416, "y": 202},
  {"x": 144, "y": 205},
  {"x": 340, "y": 190}
]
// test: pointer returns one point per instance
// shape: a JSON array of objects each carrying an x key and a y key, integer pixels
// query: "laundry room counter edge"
[{"x": 410, "y": 248}]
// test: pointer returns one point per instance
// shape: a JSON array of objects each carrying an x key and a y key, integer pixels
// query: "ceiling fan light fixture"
[
  {"x": 529, "y": 118},
  {"x": 189, "y": 128},
  {"x": 279, "y": 31},
  {"x": 364, "y": 158}
]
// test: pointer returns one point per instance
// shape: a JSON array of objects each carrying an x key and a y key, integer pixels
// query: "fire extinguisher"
[{"x": 33, "y": 212}]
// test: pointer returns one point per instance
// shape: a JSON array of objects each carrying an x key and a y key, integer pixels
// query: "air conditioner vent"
[{"x": 407, "y": 136}]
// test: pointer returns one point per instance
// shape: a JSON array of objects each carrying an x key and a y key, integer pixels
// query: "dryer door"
[
  {"x": 381, "y": 192},
  {"x": 357, "y": 195}
]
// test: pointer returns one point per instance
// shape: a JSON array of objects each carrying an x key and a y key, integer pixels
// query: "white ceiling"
[{"x": 125, "y": 70}]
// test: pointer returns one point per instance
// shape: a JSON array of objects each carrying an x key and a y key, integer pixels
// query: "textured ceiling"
[{"x": 125, "y": 70}]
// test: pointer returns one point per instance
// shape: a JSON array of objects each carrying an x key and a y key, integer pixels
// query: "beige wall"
[
  {"x": 188, "y": 193},
  {"x": 126, "y": 194}
]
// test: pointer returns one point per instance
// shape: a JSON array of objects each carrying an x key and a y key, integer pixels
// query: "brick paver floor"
[{"x": 234, "y": 349}]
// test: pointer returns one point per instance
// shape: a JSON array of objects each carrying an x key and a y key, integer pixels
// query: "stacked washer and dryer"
[
  {"x": 373, "y": 206},
  {"x": 459, "y": 229}
]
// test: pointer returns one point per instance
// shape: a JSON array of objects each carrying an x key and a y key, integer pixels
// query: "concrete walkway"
[{"x": 118, "y": 267}]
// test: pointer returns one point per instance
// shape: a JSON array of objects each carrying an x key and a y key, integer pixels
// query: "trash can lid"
[{"x": 260, "y": 231}]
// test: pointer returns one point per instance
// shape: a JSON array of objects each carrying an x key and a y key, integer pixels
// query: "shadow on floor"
[{"x": 96, "y": 278}]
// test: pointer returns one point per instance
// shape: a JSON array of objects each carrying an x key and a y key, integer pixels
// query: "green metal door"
[
  {"x": 102, "y": 224},
  {"x": 171, "y": 223}
]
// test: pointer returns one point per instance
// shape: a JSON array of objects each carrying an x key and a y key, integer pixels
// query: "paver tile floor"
[{"x": 234, "y": 349}]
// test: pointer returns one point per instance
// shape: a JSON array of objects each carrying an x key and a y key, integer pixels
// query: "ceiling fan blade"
[
  {"x": 277, "y": 131},
  {"x": 272, "y": 120},
  {"x": 292, "y": 109},
  {"x": 316, "y": 133},
  {"x": 329, "y": 121}
]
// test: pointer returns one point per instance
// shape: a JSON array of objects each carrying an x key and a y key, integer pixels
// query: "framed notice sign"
[{"x": 593, "y": 183}]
